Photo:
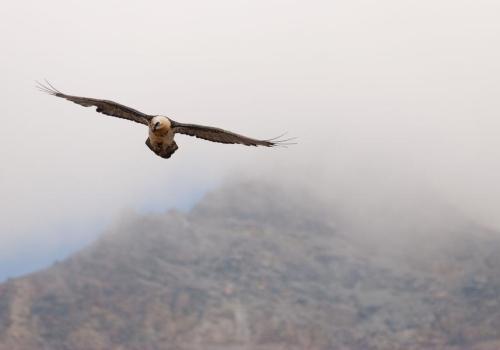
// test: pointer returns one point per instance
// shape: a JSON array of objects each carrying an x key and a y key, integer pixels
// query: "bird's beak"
[{"x": 157, "y": 124}]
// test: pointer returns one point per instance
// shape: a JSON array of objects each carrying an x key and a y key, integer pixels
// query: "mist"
[{"x": 394, "y": 105}]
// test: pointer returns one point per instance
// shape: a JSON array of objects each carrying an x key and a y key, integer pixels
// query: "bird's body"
[
  {"x": 161, "y": 137},
  {"x": 162, "y": 129}
]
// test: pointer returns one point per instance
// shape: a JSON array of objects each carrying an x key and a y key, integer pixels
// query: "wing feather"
[
  {"x": 219, "y": 135},
  {"x": 107, "y": 107}
]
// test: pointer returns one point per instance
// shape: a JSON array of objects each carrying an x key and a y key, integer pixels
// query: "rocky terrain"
[{"x": 253, "y": 266}]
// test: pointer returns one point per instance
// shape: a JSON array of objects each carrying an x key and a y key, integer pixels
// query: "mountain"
[{"x": 264, "y": 267}]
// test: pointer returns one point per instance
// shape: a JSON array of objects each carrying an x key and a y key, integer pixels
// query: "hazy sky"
[{"x": 384, "y": 96}]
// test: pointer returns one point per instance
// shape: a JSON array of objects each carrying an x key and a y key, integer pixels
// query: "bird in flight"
[{"x": 162, "y": 129}]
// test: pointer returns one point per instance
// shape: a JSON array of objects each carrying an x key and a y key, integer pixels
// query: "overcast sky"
[{"x": 384, "y": 95}]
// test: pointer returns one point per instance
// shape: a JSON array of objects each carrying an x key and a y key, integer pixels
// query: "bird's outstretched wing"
[
  {"x": 223, "y": 136},
  {"x": 103, "y": 106}
]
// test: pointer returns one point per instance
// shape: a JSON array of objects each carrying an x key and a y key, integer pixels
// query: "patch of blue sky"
[{"x": 70, "y": 237}]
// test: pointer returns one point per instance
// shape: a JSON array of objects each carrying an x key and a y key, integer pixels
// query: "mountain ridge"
[{"x": 255, "y": 266}]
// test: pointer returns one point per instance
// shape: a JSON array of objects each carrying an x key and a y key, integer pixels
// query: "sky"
[{"x": 386, "y": 97}]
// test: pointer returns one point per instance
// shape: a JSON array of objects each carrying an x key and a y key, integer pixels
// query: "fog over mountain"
[
  {"x": 385, "y": 96},
  {"x": 256, "y": 265},
  {"x": 378, "y": 230}
]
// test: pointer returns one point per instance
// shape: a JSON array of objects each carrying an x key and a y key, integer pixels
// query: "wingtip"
[
  {"x": 278, "y": 141},
  {"x": 47, "y": 88}
]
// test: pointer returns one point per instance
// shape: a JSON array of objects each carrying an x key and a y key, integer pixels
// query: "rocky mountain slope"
[{"x": 258, "y": 267}]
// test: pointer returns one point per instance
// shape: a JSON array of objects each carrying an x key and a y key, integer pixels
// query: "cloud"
[{"x": 384, "y": 96}]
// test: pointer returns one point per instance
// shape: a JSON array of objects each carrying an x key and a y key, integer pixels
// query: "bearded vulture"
[{"x": 163, "y": 129}]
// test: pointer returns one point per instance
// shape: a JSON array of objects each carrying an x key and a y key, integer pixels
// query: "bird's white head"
[{"x": 160, "y": 123}]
